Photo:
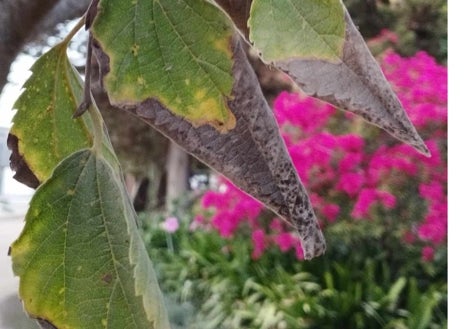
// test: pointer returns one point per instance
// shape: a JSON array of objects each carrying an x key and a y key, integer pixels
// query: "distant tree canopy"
[{"x": 419, "y": 24}]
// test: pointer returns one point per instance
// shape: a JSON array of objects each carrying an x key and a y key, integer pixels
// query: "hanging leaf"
[
  {"x": 80, "y": 259},
  {"x": 43, "y": 132},
  {"x": 175, "y": 51},
  {"x": 347, "y": 77},
  {"x": 252, "y": 154}
]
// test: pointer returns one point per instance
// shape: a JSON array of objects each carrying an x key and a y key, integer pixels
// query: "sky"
[{"x": 18, "y": 74}]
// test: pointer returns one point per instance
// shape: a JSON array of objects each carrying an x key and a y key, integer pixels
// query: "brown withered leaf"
[
  {"x": 356, "y": 84},
  {"x": 18, "y": 164},
  {"x": 252, "y": 155}
]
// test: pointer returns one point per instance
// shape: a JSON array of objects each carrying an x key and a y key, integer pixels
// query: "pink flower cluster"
[
  {"x": 356, "y": 175},
  {"x": 233, "y": 207},
  {"x": 422, "y": 86}
]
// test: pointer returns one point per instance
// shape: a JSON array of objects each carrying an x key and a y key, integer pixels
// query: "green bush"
[
  {"x": 368, "y": 279},
  {"x": 419, "y": 24},
  {"x": 383, "y": 208}
]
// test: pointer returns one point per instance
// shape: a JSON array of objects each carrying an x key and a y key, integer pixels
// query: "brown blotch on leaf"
[
  {"x": 45, "y": 324},
  {"x": 17, "y": 163},
  {"x": 107, "y": 278}
]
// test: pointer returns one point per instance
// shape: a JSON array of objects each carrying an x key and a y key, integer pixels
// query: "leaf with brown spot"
[
  {"x": 175, "y": 51},
  {"x": 71, "y": 258},
  {"x": 351, "y": 80},
  {"x": 252, "y": 154},
  {"x": 44, "y": 132}
]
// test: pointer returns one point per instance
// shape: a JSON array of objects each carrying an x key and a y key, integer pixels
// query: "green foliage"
[
  {"x": 419, "y": 24},
  {"x": 42, "y": 122},
  {"x": 298, "y": 29},
  {"x": 367, "y": 279},
  {"x": 80, "y": 246},
  {"x": 80, "y": 251},
  {"x": 422, "y": 24}
]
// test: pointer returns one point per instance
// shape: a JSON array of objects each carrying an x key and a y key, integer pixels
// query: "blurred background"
[{"x": 223, "y": 260}]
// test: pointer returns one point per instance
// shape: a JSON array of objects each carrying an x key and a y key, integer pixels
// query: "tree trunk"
[
  {"x": 23, "y": 21},
  {"x": 177, "y": 165}
]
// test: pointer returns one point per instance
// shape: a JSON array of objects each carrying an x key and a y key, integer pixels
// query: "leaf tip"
[
  {"x": 411, "y": 137},
  {"x": 313, "y": 244},
  {"x": 424, "y": 150}
]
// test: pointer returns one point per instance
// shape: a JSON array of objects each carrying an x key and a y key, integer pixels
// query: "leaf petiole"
[
  {"x": 87, "y": 100},
  {"x": 75, "y": 29},
  {"x": 97, "y": 127}
]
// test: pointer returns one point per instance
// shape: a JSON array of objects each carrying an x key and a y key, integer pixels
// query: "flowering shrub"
[{"x": 354, "y": 171}]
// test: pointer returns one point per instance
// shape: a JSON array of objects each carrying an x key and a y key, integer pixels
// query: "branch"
[{"x": 23, "y": 21}]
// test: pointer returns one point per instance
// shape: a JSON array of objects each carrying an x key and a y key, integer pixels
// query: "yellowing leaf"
[
  {"x": 177, "y": 52},
  {"x": 43, "y": 125},
  {"x": 80, "y": 259}
]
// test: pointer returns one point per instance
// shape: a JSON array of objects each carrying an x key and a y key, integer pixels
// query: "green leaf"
[
  {"x": 80, "y": 259},
  {"x": 43, "y": 125},
  {"x": 177, "y": 52},
  {"x": 394, "y": 293},
  {"x": 283, "y": 29}
]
